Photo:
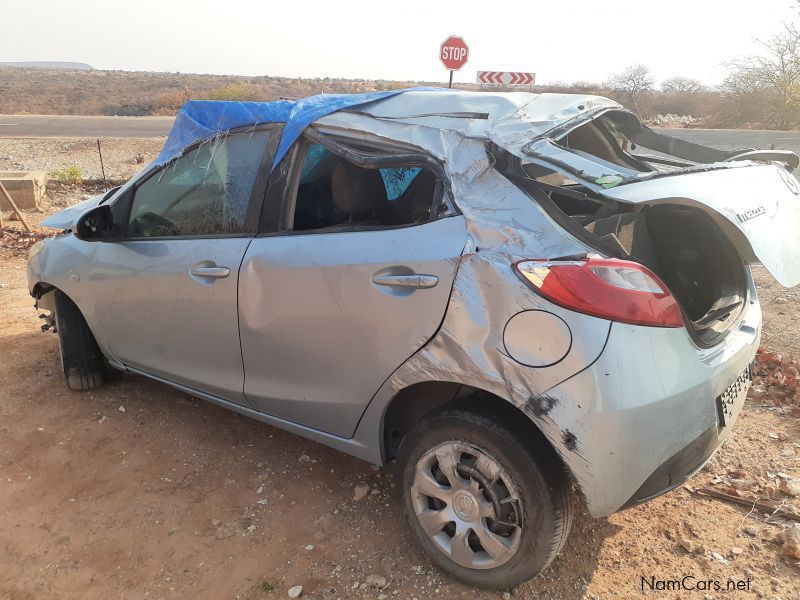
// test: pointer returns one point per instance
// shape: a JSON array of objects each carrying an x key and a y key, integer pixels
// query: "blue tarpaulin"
[{"x": 202, "y": 119}]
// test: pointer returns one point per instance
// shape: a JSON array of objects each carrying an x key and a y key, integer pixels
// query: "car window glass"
[
  {"x": 204, "y": 192},
  {"x": 397, "y": 180},
  {"x": 335, "y": 193}
]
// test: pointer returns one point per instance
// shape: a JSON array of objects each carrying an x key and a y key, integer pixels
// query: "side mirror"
[{"x": 95, "y": 225}]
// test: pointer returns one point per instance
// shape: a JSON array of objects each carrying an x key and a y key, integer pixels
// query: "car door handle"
[
  {"x": 406, "y": 281},
  {"x": 217, "y": 272}
]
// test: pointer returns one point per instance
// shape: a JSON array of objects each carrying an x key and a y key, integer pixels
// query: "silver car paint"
[
  {"x": 649, "y": 394},
  {"x": 65, "y": 262},
  {"x": 757, "y": 206},
  {"x": 148, "y": 312},
  {"x": 66, "y": 218},
  {"x": 319, "y": 335},
  {"x": 575, "y": 401},
  {"x": 159, "y": 312},
  {"x": 512, "y": 118},
  {"x": 467, "y": 348}
]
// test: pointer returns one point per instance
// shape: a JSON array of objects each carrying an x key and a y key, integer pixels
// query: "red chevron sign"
[{"x": 506, "y": 77}]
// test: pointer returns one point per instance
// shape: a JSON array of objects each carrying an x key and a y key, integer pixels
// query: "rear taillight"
[{"x": 614, "y": 289}]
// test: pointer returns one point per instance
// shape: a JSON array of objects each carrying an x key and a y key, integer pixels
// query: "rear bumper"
[
  {"x": 651, "y": 410},
  {"x": 677, "y": 469},
  {"x": 682, "y": 465}
]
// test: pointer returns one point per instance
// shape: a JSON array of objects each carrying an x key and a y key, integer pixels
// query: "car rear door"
[
  {"x": 326, "y": 315},
  {"x": 166, "y": 294}
]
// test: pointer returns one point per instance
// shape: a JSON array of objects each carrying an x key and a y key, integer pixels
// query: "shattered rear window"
[{"x": 318, "y": 160}]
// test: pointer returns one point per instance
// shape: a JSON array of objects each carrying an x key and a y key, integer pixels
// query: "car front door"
[
  {"x": 165, "y": 295},
  {"x": 335, "y": 300}
]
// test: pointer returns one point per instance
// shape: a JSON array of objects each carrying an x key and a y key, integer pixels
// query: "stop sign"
[{"x": 454, "y": 53}]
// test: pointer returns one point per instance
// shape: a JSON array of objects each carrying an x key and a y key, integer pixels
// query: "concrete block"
[{"x": 26, "y": 188}]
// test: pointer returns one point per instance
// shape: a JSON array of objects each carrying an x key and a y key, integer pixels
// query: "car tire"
[
  {"x": 81, "y": 358},
  {"x": 538, "y": 505}
]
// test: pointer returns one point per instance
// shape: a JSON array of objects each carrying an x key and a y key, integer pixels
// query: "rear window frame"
[{"x": 282, "y": 188}]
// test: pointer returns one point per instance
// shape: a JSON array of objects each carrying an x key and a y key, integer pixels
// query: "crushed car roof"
[
  {"x": 472, "y": 113},
  {"x": 203, "y": 119}
]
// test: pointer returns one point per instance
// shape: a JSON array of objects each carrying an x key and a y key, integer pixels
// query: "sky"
[{"x": 558, "y": 40}]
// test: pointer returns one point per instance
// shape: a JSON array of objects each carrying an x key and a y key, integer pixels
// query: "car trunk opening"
[
  {"x": 681, "y": 244},
  {"x": 696, "y": 216},
  {"x": 690, "y": 254}
]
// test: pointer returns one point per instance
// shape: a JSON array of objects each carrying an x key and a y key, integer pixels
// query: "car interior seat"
[
  {"x": 415, "y": 203},
  {"x": 359, "y": 195}
]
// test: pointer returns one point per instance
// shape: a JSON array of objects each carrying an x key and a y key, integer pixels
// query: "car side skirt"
[{"x": 348, "y": 445}]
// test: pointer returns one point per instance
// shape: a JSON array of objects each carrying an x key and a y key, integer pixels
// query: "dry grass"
[
  {"x": 130, "y": 93},
  {"x": 40, "y": 91}
]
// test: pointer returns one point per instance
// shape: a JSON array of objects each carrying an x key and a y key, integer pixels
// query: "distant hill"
[
  {"x": 48, "y": 64},
  {"x": 25, "y": 90}
]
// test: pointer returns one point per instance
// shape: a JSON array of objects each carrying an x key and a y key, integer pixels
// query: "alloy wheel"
[{"x": 468, "y": 505}]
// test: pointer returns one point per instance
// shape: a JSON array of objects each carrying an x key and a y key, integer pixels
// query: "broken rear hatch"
[{"x": 610, "y": 156}]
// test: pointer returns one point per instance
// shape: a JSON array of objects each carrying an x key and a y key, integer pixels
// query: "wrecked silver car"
[{"x": 514, "y": 296}]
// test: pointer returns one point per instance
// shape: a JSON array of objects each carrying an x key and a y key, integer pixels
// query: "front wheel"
[
  {"x": 479, "y": 502},
  {"x": 81, "y": 357}
]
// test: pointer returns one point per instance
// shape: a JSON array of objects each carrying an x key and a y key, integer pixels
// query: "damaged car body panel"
[
  {"x": 760, "y": 205},
  {"x": 469, "y": 346},
  {"x": 599, "y": 153},
  {"x": 476, "y": 235},
  {"x": 515, "y": 247},
  {"x": 65, "y": 219}
]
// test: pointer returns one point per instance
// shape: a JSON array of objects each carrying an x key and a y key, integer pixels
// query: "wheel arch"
[
  {"x": 423, "y": 399},
  {"x": 43, "y": 293},
  {"x": 40, "y": 288}
]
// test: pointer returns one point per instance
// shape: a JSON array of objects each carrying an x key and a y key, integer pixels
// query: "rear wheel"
[
  {"x": 479, "y": 503},
  {"x": 81, "y": 357}
]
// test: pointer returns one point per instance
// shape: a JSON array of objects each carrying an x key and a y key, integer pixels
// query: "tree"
[
  {"x": 681, "y": 85},
  {"x": 765, "y": 88},
  {"x": 632, "y": 84}
]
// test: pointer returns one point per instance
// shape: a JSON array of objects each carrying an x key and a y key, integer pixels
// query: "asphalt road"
[
  {"x": 146, "y": 127},
  {"x": 65, "y": 126},
  {"x": 732, "y": 139}
]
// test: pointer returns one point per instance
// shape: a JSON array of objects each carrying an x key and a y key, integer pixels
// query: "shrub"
[
  {"x": 235, "y": 91},
  {"x": 172, "y": 100},
  {"x": 391, "y": 85},
  {"x": 70, "y": 175}
]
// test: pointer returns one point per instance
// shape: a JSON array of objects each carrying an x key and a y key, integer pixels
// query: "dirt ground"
[
  {"x": 140, "y": 491},
  {"x": 122, "y": 158}
]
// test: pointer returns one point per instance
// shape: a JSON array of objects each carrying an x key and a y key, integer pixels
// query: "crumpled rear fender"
[{"x": 504, "y": 226}]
